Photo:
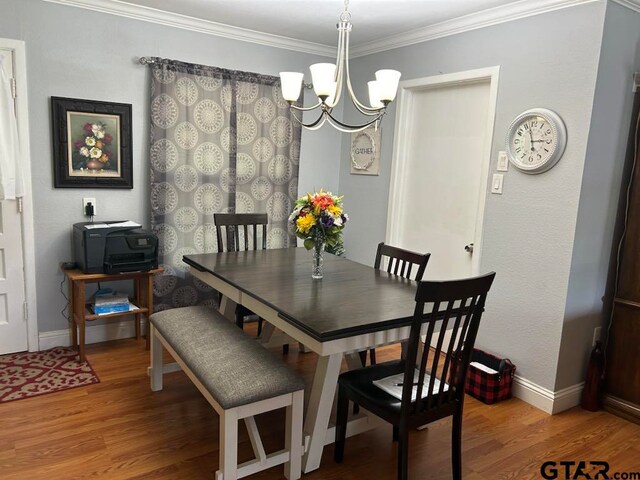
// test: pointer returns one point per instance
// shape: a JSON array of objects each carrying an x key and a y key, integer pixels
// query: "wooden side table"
[{"x": 80, "y": 310}]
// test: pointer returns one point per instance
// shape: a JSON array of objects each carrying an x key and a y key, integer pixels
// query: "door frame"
[
  {"x": 28, "y": 244},
  {"x": 404, "y": 132}
]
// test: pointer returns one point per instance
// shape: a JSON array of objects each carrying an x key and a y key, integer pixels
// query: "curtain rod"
[{"x": 151, "y": 61}]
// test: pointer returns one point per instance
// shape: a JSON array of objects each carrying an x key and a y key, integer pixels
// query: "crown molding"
[
  {"x": 630, "y": 4},
  {"x": 485, "y": 18},
  {"x": 161, "y": 17},
  {"x": 474, "y": 21}
]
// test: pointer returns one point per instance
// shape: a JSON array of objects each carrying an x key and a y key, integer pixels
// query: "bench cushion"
[{"x": 232, "y": 366}]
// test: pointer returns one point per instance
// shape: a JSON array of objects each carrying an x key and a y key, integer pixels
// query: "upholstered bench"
[{"x": 238, "y": 377}]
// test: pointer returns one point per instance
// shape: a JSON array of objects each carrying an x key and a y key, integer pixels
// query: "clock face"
[{"x": 536, "y": 140}]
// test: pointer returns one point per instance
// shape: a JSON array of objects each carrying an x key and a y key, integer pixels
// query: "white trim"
[
  {"x": 28, "y": 244},
  {"x": 466, "y": 23},
  {"x": 485, "y": 18},
  {"x": 185, "y": 22},
  {"x": 630, "y": 4},
  {"x": 545, "y": 399},
  {"x": 403, "y": 132},
  {"x": 94, "y": 334}
]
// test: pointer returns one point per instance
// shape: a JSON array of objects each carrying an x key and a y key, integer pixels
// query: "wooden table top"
[
  {"x": 351, "y": 299},
  {"x": 77, "y": 274}
]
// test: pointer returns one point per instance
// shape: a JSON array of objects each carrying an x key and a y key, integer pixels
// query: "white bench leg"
[
  {"x": 228, "y": 446},
  {"x": 293, "y": 436},
  {"x": 156, "y": 370}
]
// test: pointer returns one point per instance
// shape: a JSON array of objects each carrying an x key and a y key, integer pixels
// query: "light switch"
[
  {"x": 503, "y": 162},
  {"x": 496, "y": 183}
]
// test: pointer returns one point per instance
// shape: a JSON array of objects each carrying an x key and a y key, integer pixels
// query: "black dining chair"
[
  {"x": 399, "y": 262},
  {"x": 428, "y": 384},
  {"x": 228, "y": 228}
]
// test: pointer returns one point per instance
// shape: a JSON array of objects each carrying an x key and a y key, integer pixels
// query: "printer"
[{"x": 114, "y": 247}]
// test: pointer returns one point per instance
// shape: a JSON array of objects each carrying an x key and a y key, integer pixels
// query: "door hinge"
[
  {"x": 25, "y": 311},
  {"x": 14, "y": 88},
  {"x": 19, "y": 204}
]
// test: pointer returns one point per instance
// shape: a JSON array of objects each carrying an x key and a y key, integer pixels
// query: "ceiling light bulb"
[
  {"x": 388, "y": 84},
  {"x": 324, "y": 79},
  {"x": 374, "y": 94},
  {"x": 291, "y": 84}
]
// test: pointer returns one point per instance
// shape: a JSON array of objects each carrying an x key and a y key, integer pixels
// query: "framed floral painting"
[{"x": 91, "y": 143}]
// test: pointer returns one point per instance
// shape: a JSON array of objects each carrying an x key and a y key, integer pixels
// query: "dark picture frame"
[{"x": 91, "y": 143}]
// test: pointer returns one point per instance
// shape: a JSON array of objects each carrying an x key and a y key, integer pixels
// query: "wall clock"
[{"x": 536, "y": 140}]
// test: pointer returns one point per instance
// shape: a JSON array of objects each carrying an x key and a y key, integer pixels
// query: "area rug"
[{"x": 28, "y": 374}]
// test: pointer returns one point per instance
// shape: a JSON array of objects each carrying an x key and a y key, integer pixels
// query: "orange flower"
[
  {"x": 99, "y": 144},
  {"x": 104, "y": 158}
]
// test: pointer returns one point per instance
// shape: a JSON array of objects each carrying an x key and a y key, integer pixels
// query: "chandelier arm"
[
  {"x": 317, "y": 123},
  {"x": 361, "y": 107},
  {"x": 339, "y": 65},
  {"x": 304, "y": 109},
  {"x": 344, "y": 127}
]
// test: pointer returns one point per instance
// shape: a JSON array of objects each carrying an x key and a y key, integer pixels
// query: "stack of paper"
[{"x": 107, "y": 301}]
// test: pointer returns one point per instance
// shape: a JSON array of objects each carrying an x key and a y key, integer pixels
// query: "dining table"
[{"x": 354, "y": 307}]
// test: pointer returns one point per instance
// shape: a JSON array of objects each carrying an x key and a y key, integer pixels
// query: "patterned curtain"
[{"x": 222, "y": 141}]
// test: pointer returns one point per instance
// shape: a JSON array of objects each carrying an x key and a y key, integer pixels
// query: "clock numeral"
[
  {"x": 516, "y": 141},
  {"x": 548, "y": 141},
  {"x": 519, "y": 132},
  {"x": 518, "y": 150},
  {"x": 526, "y": 126},
  {"x": 548, "y": 131}
]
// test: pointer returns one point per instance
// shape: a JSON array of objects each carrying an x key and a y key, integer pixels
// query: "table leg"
[
  {"x": 78, "y": 300},
  {"x": 72, "y": 313},
  {"x": 228, "y": 308},
  {"x": 137, "y": 287},
  {"x": 316, "y": 422}
]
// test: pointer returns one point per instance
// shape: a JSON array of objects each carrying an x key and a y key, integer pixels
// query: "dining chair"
[
  {"x": 228, "y": 228},
  {"x": 399, "y": 262},
  {"x": 428, "y": 384}
]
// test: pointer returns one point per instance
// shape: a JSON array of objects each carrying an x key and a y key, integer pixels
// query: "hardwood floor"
[{"x": 119, "y": 429}]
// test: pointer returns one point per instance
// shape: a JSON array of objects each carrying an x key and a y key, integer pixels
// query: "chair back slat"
[
  {"x": 401, "y": 261},
  {"x": 228, "y": 226},
  {"x": 442, "y": 308}
]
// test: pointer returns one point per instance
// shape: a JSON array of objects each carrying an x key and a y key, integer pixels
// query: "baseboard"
[
  {"x": 545, "y": 399},
  {"x": 93, "y": 334},
  {"x": 622, "y": 408}
]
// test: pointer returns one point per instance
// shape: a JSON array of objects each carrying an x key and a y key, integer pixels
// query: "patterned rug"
[{"x": 24, "y": 375}]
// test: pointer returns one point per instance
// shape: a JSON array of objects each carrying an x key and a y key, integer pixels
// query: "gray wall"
[
  {"x": 550, "y": 61},
  {"x": 604, "y": 164},
  {"x": 78, "y": 53}
]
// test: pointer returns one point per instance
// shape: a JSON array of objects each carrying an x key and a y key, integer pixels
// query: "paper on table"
[
  {"x": 96, "y": 225},
  {"x": 393, "y": 385},
  {"x": 127, "y": 223},
  {"x": 132, "y": 308},
  {"x": 483, "y": 367}
]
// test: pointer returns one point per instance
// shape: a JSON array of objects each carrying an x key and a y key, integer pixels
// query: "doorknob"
[{"x": 469, "y": 248}]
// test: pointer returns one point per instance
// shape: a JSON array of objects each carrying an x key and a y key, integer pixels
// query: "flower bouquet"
[
  {"x": 318, "y": 219},
  {"x": 93, "y": 152}
]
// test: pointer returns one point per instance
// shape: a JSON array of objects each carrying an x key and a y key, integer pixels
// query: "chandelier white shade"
[{"x": 328, "y": 79}]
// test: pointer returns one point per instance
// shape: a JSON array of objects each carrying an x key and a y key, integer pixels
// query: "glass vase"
[{"x": 318, "y": 249}]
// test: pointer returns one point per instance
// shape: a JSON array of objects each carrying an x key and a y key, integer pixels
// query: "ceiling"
[{"x": 314, "y": 20}]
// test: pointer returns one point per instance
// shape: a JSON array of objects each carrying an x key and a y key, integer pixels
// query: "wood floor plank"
[{"x": 119, "y": 429}]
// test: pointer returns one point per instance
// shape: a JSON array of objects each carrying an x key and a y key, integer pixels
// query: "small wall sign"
[{"x": 365, "y": 152}]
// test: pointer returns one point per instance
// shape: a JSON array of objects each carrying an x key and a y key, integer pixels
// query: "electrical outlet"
[
  {"x": 92, "y": 201},
  {"x": 597, "y": 335}
]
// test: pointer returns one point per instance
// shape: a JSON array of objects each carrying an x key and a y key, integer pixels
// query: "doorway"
[
  {"x": 18, "y": 320},
  {"x": 442, "y": 152}
]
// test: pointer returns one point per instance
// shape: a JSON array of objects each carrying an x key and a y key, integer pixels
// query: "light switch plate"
[
  {"x": 496, "y": 183},
  {"x": 503, "y": 162}
]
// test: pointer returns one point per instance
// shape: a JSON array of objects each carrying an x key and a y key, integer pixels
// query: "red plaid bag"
[{"x": 489, "y": 387}]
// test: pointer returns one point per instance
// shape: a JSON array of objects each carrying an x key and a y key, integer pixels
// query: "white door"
[
  {"x": 440, "y": 171},
  {"x": 13, "y": 325}
]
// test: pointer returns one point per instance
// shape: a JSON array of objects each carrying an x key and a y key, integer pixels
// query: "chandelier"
[{"x": 327, "y": 81}]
